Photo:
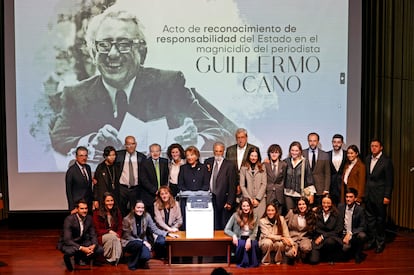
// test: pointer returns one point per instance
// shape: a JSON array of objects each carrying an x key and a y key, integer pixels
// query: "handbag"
[{"x": 305, "y": 191}]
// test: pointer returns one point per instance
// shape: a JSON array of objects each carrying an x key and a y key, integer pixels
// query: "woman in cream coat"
[
  {"x": 253, "y": 181},
  {"x": 274, "y": 237}
]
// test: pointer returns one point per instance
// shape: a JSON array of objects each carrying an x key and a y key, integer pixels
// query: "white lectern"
[{"x": 199, "y": 217}]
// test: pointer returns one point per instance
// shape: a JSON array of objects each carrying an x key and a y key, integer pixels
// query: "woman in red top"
[{"x": 108, "y": 225}]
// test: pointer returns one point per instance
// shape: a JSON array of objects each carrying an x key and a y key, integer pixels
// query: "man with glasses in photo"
[{"x": 93, "y": 111}]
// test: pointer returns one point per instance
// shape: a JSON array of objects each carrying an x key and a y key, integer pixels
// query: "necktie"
[
  {"x": 84, "y": 173},
  {"x": 275, "y": 169},
  {"x": 157, "y": 171},
  {"x": 313, "y": 159},
  {"x": 121, "y": 105},
  {"x": 215, "y": 172},
  {"x": 131, "y": 173}
]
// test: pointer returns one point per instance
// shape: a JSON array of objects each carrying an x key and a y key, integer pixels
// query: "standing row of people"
[{"x": 129, "y": 175}]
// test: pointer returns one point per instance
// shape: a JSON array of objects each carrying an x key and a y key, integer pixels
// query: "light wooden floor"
[{"x": 33, "y": 252}]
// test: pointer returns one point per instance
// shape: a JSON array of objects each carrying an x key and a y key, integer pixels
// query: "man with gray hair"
[
  {"x": 222, "y": 179},
  {"x": 93, "y": 111},
  {"x": 237, "y": 153}
]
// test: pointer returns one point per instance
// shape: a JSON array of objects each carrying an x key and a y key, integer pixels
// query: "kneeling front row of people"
[
  {"x": 108, "y": 235},
  {"x": 327, "y": 233},
  {"x": 302, "y": 233}
]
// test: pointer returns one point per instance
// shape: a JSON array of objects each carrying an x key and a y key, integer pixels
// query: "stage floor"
[{"x": 33, "y": 251}]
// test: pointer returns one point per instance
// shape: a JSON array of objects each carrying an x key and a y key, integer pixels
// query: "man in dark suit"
[
  {"x": 129, "y": 161},
  {"x": 118, "y": 48},
  {"x": 378, "y": 190},
  {"x": 223, "y": 177},
  {"x": 78, "y": 237},
  {"x": 155, "y": 173},
  {"x": 79, "y": 180},
  {"x": 354, "y": 219},
  {"x": 337, "y": 157},
  {"x": 276, "y": 172},
  {"x": 237, "y": 153},
  {"x": 321, "y": 170}
]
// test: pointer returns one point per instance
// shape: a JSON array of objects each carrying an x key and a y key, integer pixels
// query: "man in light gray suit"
[{"x": 320, "y": 165}]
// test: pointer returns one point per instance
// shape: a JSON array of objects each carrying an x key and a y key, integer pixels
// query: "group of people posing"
[{"x": 313, "y": 205}]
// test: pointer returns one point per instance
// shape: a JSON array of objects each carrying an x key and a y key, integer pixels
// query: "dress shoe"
[
  {"x": 379, "y": 249},
  {"x": 369, "y": 246},
  {"x": 68, "y": 263},
  {"x": 82, "y": 263},
  {"x": 360, "y": 258}
]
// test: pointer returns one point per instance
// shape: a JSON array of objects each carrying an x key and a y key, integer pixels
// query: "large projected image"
[{"x": 192, "y": 72}]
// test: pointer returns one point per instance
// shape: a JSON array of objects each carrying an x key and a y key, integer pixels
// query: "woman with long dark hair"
[
  {"x": 354, "y": 174},
  {"x": 274, "y": 236},
  {"x": 328, "y": 232},
  {"x": 176, "y": 155},
  {"x": 301, "y": 222},
  {"x": 253, "y": 181},
  {"x": 107, "y": 220},
  {"x": 135, "y": 226}
]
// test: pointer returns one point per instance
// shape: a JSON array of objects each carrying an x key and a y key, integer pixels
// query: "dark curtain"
[{"x": 388, "y": 95}]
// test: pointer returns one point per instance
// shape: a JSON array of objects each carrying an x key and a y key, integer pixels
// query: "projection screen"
[{"x": 280, "y": 69}]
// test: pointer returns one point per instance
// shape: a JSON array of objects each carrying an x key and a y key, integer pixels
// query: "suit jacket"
[
  {"x": 356, "y": 179},
  {"x": 336, "y": 175},
  {"x": 120, "y": 160},
  {"x": 156, "y": 94},
  {"x": 77, "y": 186},
  {"x": 380, "y": 182},
  {"x": 130, "y": 231},
  {"x": 107, "y": 180},
  {"x": 296, "y": 232},
  {"x": 253, "y": 186},
  {"x": 175, "y": 219},
  {"x": 149, "y": 183},
  {"x": 293, "y": 175},
  {"x": 275, "y": 184},
  {"x": 358, "y": 218},
  {"x": 225, "y": 189},
  {"x": 71, "y": 237},
  {"x": 231, "y": 153},
  {"x": 321, "y": 172},
  {"x": 193, "y": 178},
  {"x": 332, "y": 228},
  {"x": 270, "y": 231}
]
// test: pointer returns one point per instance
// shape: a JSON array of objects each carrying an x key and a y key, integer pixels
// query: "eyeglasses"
[{"x": 123, "y": 45}]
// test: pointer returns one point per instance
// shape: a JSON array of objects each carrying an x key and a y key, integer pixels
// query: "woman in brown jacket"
[{"x": 354, "y": 174}]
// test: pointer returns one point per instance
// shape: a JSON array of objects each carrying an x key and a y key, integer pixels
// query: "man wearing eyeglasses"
[
  {"x": 129, "y": 160},
  {"x": 93, "y": 111}
]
